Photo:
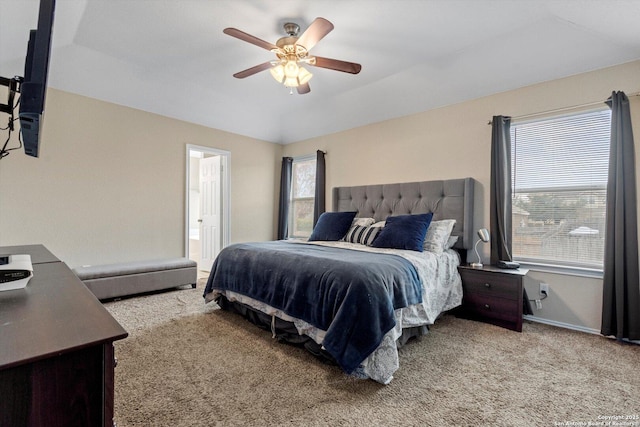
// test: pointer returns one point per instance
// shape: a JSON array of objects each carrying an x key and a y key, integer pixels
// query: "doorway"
[{"x": 207, "y": 205}]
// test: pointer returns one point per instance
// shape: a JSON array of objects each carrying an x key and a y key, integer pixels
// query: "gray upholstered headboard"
[{"x": 447, "y": 199}]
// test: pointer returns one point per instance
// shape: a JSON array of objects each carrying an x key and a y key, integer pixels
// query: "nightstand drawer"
[
  {"x": 493, "y": 295},
  {"x": 490, "y": 307},
  {"x": 496, "y": 285}
]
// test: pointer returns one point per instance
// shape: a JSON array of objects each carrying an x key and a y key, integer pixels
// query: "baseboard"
[
  {"x": 572, "y": 327},
  {"x": 561, "y": 324}
]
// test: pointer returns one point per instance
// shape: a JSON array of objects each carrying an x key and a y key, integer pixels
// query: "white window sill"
[{"x": 562, "y": 269}]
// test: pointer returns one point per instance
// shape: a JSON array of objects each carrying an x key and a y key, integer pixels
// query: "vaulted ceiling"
[{"x": 171, "y": 57}]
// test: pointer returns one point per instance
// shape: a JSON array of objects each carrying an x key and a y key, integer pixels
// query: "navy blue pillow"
[
  {"x": 332, "y": 226},
  {"x": 404, "y": 232}
]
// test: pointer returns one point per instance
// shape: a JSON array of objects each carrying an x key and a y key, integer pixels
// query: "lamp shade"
[
  {"x": 291, "y": 81},
  {"x": 277, "y": 73},
  {"x": 304, "y": 76},
  {"x": 290, "y": 74},
  {"x": 291, "y": 69},
  {"x": 483, "y": 235}
]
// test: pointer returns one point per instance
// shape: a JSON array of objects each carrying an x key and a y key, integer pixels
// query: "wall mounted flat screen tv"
[{"x": 34, "y": 87}]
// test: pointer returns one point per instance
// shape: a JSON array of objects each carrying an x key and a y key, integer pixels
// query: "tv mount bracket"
[{"x": 14, "y": 87}]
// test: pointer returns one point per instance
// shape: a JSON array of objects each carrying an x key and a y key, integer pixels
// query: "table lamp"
[{"x": 483, "y": 234}]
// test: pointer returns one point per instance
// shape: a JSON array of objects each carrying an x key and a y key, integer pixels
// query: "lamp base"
[{"x": 476, "y": 265}]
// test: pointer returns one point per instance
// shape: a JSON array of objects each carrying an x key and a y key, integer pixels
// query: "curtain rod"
[{"x": 559, "y": 110}]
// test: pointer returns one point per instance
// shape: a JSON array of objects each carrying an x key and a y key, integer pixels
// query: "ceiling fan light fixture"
[
  {"x": 277, "y": 72},
  {"x": 304, "y": 76},
  {"x": 292, "y": 51},
  {"x": 290, "y": 74},
  {"x": 291, "y": 69},
  {"x": 291, "y": 81}
]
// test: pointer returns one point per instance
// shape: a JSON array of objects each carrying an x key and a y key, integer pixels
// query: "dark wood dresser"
[
  {"x": 56, "y": 349},
  {"x": 493, "y": 295}
]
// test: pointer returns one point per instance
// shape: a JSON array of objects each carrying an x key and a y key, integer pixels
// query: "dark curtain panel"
[
  {"x": 319, "y": 204},
  {"x": 285, "y": 191},
  {"x": 621, "y": 291},
  {"x": 500, "y": 196}
]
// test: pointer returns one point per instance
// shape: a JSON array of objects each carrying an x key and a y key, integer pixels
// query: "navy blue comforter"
[{"x": 350, "y": 294}]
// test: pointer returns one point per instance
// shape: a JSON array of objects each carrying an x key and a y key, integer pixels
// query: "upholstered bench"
[{"x": 117, "y": 280}]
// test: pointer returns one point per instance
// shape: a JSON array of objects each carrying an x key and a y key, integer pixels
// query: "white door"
[{"x": 210, "y": 210}]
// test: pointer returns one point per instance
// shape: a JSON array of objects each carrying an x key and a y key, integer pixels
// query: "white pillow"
[
  {"x": 451, "y": 242},
  {"x": 437, "y": 235},
  {"x": 363, "y": 221}
]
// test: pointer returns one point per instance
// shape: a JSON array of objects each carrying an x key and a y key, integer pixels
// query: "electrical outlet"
[{"x": 544, "y": 288}]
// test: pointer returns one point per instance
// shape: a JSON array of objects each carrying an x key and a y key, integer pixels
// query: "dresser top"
[
  {"x": 54, "y": 314},
  {"x": 39, "y": 254}
]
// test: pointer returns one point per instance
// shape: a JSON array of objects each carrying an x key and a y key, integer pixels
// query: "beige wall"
[
  {"x": 454, "y": 142},
  {"x": 109, "y": 184}
]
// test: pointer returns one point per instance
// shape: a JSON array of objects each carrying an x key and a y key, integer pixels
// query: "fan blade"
[
  {"x": 234, "y": 32},
  {"x": 302, "y": 89},
  {"x": 253, "y": 70},
  {"x": 335, "y": 64},
  {"x": 319, "y": 28}
]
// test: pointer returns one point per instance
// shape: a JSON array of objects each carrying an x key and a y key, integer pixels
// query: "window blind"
[
  {"x": 559, "y": 177},
  {"x": 302, "y": 197},
  {"x": 564, "y": 152}
]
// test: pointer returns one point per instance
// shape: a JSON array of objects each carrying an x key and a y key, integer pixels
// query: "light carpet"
[{"x": 187, "y": 364}]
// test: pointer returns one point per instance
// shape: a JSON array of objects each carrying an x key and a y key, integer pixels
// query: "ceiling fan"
[{"x": 293, "y": 52}]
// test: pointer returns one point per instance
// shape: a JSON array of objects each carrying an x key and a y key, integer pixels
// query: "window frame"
[
  {"x": 539, "y": 264},
  {"x": 292, "y": 199}
]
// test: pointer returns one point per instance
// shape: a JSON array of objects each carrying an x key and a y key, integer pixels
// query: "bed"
[{"x": 378, "y": 270}]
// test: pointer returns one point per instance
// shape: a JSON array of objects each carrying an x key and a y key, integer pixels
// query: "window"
[
  {"x": 559, "y": 176},
  {"x": 303, "y": 186}
]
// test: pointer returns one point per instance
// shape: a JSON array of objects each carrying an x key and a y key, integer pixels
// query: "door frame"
[{"x": 225, "y": 192}]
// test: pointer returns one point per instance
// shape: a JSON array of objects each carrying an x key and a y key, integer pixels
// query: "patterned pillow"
[
  {"x": 363, "y": 235},
  {"x": 357, "y": 222},
  {"x": 437, "y": 235}
]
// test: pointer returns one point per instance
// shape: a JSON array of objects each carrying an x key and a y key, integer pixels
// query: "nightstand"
[{"x": 493, "y": 295}]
